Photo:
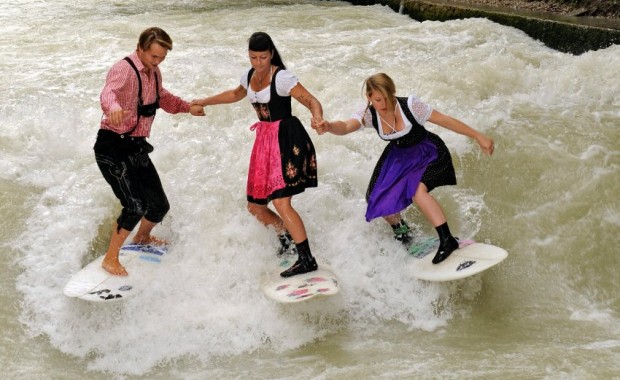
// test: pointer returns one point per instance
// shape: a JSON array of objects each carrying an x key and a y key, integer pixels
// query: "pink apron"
[{"x": 265, "y": 172}]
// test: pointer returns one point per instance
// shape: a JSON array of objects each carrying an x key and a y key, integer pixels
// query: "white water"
[{"x": 548, "y": 195}]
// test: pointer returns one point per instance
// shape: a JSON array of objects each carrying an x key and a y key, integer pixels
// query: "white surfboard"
[
  {"x": 471, "y": 258},
  {"x": 93, "y": 283},
  {"x": 301, "y": 287}
]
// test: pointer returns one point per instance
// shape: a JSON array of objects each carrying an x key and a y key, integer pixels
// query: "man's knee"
[
  {"x": 158, "y": 213},
  {"x": 131, "y": 215}
]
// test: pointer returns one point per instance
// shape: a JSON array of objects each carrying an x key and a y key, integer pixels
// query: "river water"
[{"x": 549, "y": 196}]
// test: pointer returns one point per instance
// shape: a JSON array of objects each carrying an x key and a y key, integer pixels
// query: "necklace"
[
  {"x": 260, "y": 80},
  {"x": 389, "y": 125}
]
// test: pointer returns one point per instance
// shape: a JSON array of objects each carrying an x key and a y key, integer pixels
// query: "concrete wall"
[{"x": 567, "y": 34}]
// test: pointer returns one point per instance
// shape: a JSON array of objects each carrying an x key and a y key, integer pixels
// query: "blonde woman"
[{"x": 414, "y": 162}]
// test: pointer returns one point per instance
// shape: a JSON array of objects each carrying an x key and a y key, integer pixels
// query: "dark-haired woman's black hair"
[{"x": 260, "y": 41}]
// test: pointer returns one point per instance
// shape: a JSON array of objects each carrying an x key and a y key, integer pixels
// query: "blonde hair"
[
  {"x": 384, "y": 85},
  {"x": 154, "y": 35}
]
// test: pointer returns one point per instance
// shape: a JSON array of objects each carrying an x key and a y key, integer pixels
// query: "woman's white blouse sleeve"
[
  {"x": 363, "y": 116},
  {"x": 285, "y": 81},
  {"x": 421, "y": 111},
  {"x": 244, "y": 80}
]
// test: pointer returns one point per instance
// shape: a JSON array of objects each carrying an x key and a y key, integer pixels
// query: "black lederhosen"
[{"x": 125, "y": 164}]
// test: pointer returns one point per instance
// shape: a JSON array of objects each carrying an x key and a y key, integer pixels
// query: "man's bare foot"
[
  {"x": 152, "y": 240},
  {"x": 114, "y": 267}
]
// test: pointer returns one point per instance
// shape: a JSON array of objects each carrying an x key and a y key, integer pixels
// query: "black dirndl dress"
[
  {"x": 419, "y": 156},
  {"x": 283, "y": 161}
]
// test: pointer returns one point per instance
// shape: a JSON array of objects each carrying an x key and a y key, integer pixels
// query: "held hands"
[
  {"x": 321, "y": 126},
  {"x": 116, "y": 117},
  {"x": 198, "y": 102},
  {"x": 196, "y": 109}
]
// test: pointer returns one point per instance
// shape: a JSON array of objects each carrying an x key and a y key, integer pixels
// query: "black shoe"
[
  {"x": 300, "y": 267},
  {"x": 286, "y": 245},
  {"x": 405, "y": 239},
  {"x": 445, "y": 249},
  {"x": 402, "y": 233},
  {"x": 285, "y": 251}
]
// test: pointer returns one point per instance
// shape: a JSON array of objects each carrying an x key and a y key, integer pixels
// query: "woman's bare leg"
[
  {"x": 429, "y": 206},
  {"x": 291, "y": 219},
  {"x": 392, "y": 219},
  {"x": 433, "y": 212},
  {"x": 305, "y": 262},
  {"x": 266, "y": 216}
]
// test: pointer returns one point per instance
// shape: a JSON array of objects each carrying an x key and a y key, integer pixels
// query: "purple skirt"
[{"x": 398, "y": 178}]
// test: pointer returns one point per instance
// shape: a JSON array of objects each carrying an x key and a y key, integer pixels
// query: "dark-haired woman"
[{"x": 283, "y": 160}]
